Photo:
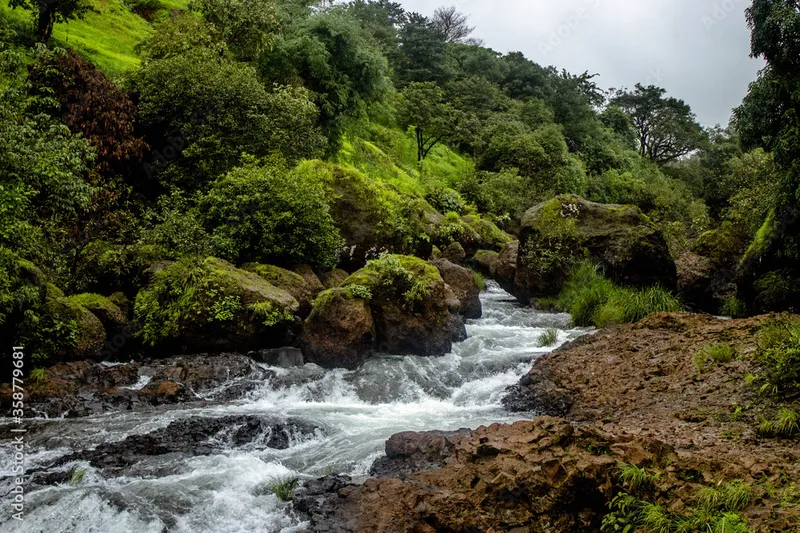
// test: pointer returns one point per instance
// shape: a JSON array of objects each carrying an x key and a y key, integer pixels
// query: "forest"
[{"x": 345, "y": 178}]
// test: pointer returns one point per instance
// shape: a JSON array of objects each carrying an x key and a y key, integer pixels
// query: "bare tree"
[{"x": 452, "y": 25}]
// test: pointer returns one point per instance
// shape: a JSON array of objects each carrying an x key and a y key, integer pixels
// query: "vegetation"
[
  {"x": 780, "y": 358},
  {"x": 548, "y": 337},
  {"x": 593, "y": 300}
]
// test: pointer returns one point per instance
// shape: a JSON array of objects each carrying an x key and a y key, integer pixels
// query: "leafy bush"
[
  {"x": 780, "y": 358},
  {"x": 268, "y": 214},
  {"x": 593, "y": 300},
  {"x": 446, "y": 200},
  {"x": 396, "y": 278}
]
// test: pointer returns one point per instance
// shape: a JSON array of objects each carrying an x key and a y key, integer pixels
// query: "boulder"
[
  {"x": 454, "y": 253},
  {"x": 504, "y": 269},
  {"x": 285, "y": 357},
  {"x": 340, "y": 332},
  {"x": 408, "y": 302},
  {"x": 334, "y": 278},
  {"x": 90, "y": 334},
  {"x": 292, "y": 282},
  {"x": 484, "y": 261},
  {"x": 109, "y": 314},
  {"x": 621, "y": 239},
  {"x": 702, "y": 285},
  {"x": 463, "y": 284},
  {"x": 197, "y": 305},
  {"x": 311, "y": 278},
  {"x": 410, "y": 452}
]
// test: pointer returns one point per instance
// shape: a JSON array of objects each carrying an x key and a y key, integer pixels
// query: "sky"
[{"x": 696, "y": 49}]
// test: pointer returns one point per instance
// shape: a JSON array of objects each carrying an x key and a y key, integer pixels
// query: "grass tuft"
[
  {"x": 633, "y": 477},
  {"x": 548, "y": 337}
]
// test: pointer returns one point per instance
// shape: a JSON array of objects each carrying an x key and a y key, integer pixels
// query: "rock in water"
[
  {"x": 620, "y": 238},
  {"x": 462, "y": 281}
]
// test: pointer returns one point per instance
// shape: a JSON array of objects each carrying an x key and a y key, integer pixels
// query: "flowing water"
[{"x": 355, "y": 411}]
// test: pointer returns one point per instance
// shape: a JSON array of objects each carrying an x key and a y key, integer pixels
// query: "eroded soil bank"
[{"x": 641, "y": 396}]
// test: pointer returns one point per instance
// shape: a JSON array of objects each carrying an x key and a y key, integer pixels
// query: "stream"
[{"x": 354, "y": 412}]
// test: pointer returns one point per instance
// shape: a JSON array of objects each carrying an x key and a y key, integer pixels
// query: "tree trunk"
[
  {"x": 420, "y": 146},
  {"x": 45, "y": 22}
]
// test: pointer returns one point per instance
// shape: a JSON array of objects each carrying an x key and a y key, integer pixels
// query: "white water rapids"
[{"x": 356, "y": 411}]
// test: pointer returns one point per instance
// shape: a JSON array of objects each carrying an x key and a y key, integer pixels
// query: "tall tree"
[
  {"x": 424, "y": 54},
  {"x": 423, "y": 107},
  {"x": 452, "y": 26},
  {"x": 48, "y": 12},
  {"x": 665, "y": 127}
]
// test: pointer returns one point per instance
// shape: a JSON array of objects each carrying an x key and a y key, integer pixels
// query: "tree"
[
  {"x": 332, "y": 56},
  {"x": 423, "y": 53},
  {"x": 452, "y": 25},
  {"x": 666, "y": 128},
  {"x": 423, "y": 107},
  {"x": 48, "y": 12},
  {"x": 246, "y": 26}
]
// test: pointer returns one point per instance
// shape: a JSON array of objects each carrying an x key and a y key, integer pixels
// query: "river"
[{"x": 355, "y": 412}]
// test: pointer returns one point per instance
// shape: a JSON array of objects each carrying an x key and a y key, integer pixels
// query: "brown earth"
[{"x": 629, "y": 394}]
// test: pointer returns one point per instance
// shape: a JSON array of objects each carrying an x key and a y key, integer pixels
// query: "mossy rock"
[
  {"x": 106, "y": 268},
  {"x": 483, "y": 261},
  {"x": 334, "y": 278},
  {"x": 291, "y": 282},
  {"x": 558, "y": 233},
  {"x": 455, "y": 253},
  {"x": 90, "y": 335},
  {"x": 110, "y": 314},
  {"x": 340, "y": 332},
  {"x": 464, "y": 285},
  {"x": 491, "y": 237},
  {"x": 208, "y": 304},
  {"x": 408, "y": 303}
]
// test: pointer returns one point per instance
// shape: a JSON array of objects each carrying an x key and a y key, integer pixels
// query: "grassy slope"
[
  {"x": 390, "y": 156},
  {"x": 107, "y": 37}
]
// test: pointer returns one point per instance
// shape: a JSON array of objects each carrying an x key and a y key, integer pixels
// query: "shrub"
[
  {"x": 446, "y": 200},
  {"x": 396, "y": 278},
  {"x": 733, "y": 307},
  {"x": 593, "y": 300},
  {"x": 267, "y": 214},
  {"x": 780, "y": 358}
]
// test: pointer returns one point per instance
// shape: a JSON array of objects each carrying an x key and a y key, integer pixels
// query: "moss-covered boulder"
[
  {"x": 454, "y": 253},
  {"x": 464, "y": 286},
  {"x": 292, "y": 282},
  {"x": 340, "y": 332},
  {"x": 491, "y": 237},
  {"x": 207, "y": 304},
  {"x": 334, "y": 278},
  {"x": 310, "y": 276},
  {"x": 406, "y": 298},
  {"x": 556, "y": 234},
  {"x": 483, "y": 261},
  {"x": 90, "y": 337},
  {"x": 408, "y": 302},
  {"x": 111, "y": 316}
]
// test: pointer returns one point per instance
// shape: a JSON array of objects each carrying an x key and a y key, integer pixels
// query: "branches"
[{"x": 452, "y": 25}]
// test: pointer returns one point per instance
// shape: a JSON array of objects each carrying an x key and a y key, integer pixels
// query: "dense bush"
[
  {"x": 269, "y": 214},
  {"x": 593, "y": 300},
  {"x": 204, "y": 110},
  {"x": 780, "y": 356}
]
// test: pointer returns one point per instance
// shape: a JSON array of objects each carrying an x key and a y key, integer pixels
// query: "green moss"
[
  {"x": 763, "y": 238},
  {"x": 489, "y": 233},
  {"x": 407, "y": 279},
  {"x": 188, "y": 296}
]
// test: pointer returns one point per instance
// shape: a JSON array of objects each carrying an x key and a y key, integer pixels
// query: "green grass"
[
  {"x": 548, "y": 338},
  {"x": 785, "y": 424},
  {"x": 108, "y": 37},
  {"x": 480, "y": 281},
  {"x": 283, "y": 488},
  {"x": 719, "y": 353},
  {"x": 593, "y": 300},
  {"x": 633, "y": 477}
]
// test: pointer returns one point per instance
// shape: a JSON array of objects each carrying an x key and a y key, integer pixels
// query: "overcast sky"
[{"x": 696, "y": 49}]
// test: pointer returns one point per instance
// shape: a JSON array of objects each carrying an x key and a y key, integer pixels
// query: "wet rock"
[
  {"x": 311, "y": 278},
  {"x": 559, "y": 232},
  {"x": 504, "y": 269},
  {"x": 280, "y": 357},
  {"x": 410, "y": 452},
  {"x": 195, "y": 436},
  {"x": 704, "y": 286},
  {"x": 340, "y": 333},
  {"x": 462, "y": 281}
]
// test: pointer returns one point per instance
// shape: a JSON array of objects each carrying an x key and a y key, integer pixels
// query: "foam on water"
[{"x": 356, "y": 411}]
